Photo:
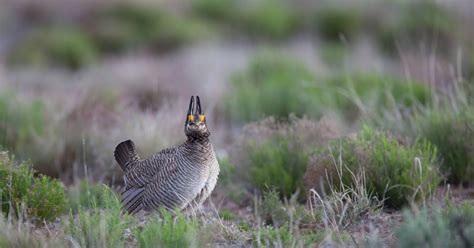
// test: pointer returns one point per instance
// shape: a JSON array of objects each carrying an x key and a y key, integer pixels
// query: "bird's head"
[{"x": 195, "y": 126}]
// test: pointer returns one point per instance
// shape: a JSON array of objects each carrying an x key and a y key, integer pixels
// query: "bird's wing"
[
  {"x": 143, "y": 171},
  {"x": 138, "y": 180}
]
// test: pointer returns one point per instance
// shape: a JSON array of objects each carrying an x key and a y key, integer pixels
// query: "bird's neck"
[{"x": 198, "y": 140}]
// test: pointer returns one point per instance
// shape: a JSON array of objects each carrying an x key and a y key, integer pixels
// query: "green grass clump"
[
  {"x": 127, "y": 26},
  {"x": 216, "y": 9},
  {"x": 226, "y": 214},
  {"x": 369, "y": 95},
  {"x": 87, "y": 195},
  {"x": 334, "y": 54},
  {"x": 264, "y": 18},
  {"x": 271, "y": 86},
  {"x": 395, "y": 170},
  {"x": 333, "y": 23},
  {"x": 275, "y": 164},
  {"x": 228, "y": 181},
  {"x": 453, "y": 133},
  {"x": 58, "y": 46},
  {"x": 22, "y": 193},
  {"x": 99, "y": 227},
  {"x": 20, "y": 122},
  {"x": 19, "y": 234},
  {"x": 270, "y": 18},
  {"x": 423, "y": 20},
  {"x": 168, "y": 231},
  {"x": 274, "y": 85},
  {"x": 283, "y": 236},
  {"x": 269, "y": 236},
  {"x": 438, "y": 228},
  {"x": 274, "y": 154},
  {"x": 272, "y": 209}
]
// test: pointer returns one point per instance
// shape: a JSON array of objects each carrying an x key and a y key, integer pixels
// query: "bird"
[{"x": 176, "y": 178}]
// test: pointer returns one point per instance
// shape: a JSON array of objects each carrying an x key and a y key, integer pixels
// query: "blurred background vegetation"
[{"x": 302, "y": 97}]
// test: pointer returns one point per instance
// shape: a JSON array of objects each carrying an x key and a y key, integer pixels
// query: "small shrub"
[
  {"x": 228, "y": 182},
  {"x": 453, "y": 133},
  {"x": 277, "y": 86},
  {"x": 20, "y": 122},
  {"x": 272, "y": 210},
  {"x": 41, "y": 197},
  {"x": 275, "y": 164},
  {"x": 227, "y": 171},
  {"x": 216, "y": 9},
  {"x": 270, "y": 86},
  {"x": 418, "y": 21},
  {"x": 128, "y": 26},
  {"x": 438, "y": 228},
  {"x": 97, "y": 227},
  {"x": 336, "y": 22},
  {"x": 265, "y": 18},
  {"x": 47, "y": 198},
  {"x": 370, "y": 95},
  {"x": 270, "y": 18},
  {"x": 274, "y": 155},
  {"x": 168, "y": 231},
  {"x": 58, "y": 46},
  {"x": 396, "y": 171}
]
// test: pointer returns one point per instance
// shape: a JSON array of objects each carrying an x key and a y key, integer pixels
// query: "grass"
[
  {"x": 273, "y": 155},
  {"x": 142, "y": 27},
  {"x": 228, "y": 182},
  {"x": 55, "y": 46},
  {"x": 97, "y": 227},
  {"x": 269, "y": 77},
  {"x": 397, "y": 170},
  {"x": 272, "y": 210},
  {"x": 452, "y": 133},
  {"x": 355, "y": 96},
  {"x": 343, "y": 204},
  {"x": 20, "y": 121},
  {"x": 87, "y": 195},
  {"x": 113, "y": 29},
  {"x": 262, "y": 18},
  {"x": 169, "y": 231},
  {"x": 279, "y": 222},
  {"x": 438, "y": 228},
  {"x": 419, "y": 21},
  {"x": 21, "y": 234},
  {"x": 41, "y": 198},
  {"x": 275, "y": 164},
  {"x": 335, "y": 23},
  {"x": 364, "y": 95},
  {"x": 271, "y": 19}
]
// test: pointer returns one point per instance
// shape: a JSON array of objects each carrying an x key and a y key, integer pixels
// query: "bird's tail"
[{"x": 125, "y": 154}]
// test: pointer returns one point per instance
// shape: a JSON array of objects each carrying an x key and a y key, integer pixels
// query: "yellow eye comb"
[
  {"x": 190, "y": 118},
  {"x": 201, "y": 118}
]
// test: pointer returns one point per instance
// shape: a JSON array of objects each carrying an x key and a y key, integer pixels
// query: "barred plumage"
[{"x": 174, "y": 178}]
